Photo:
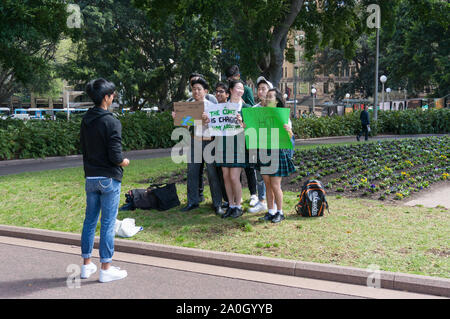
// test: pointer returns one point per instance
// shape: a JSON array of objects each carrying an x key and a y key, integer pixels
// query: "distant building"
[{"x": 325, "y": 84}]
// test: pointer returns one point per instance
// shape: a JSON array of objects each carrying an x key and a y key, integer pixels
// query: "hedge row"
[
  {"x": 36, "y": 139},
  {"x": 393, "y": 122}
]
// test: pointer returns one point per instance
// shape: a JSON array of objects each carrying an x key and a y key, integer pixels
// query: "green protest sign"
[{"x": 264, "y": 128}]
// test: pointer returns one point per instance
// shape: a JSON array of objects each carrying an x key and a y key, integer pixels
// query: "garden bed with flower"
[{"x": 384, "y": 170}]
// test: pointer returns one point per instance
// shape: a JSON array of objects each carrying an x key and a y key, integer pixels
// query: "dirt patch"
[
  {"x": 440, "y": 253},
  {"x": 178, "y": 177}
]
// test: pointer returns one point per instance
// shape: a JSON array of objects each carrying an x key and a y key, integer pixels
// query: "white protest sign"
[{"x": 223, "y": 120}]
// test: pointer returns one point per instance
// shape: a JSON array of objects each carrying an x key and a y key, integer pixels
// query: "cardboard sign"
[
  {"x": 264, "y": 122},
  {"x": 187, "y": 112},
  {"x": 223, "y": 119}
]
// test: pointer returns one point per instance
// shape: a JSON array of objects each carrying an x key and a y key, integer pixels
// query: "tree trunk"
[
  {"x": 274, "y": 70},
  {"x": 7, "y": 84}
]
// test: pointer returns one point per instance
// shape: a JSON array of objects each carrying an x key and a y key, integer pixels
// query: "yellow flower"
[
  {"x": 364, "y": 180},
  {"x": 409, "y": 163},
  {"x": 445, "y": 175}
]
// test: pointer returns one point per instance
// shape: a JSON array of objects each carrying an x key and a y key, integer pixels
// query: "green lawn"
[{"x": 357, "y": 233}]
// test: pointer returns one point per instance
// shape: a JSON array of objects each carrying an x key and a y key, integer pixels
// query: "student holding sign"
[
  {"x": 230, "y": 151},
  {"x": 199, "y": 141},
  {"x": 284, "y": 165},
  {"x": 262, "y": 87}
]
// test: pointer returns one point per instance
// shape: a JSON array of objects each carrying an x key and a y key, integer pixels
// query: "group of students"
[
  {"x": 224, "y": 176},
  {"x": 103, "y": 162}
]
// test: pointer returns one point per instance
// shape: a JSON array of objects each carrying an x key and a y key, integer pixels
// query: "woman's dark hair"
[
  {"x": 98, "y": 89},
  {"x": 232, "y": 84},
  {"x": 202, "y": 82},
  {"x": 232, "y": 71},
  {"x": 278, "y": 97}
]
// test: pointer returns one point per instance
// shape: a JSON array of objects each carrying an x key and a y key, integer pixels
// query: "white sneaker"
[
  {"x": 88, "y": 270},
  {"x": 113, "y": 273},
  {"x": 259, "y": 207},
  {"x": 254, "y": 200}
]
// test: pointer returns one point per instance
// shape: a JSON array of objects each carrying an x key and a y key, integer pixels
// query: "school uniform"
[
  {"x": 248, "y": 96},
  {"x": 285, "y": 165},
  {"x": 284, "y": 162},
  {"x": 199, "y": 140},
  {"x": 235, "y": 144}
]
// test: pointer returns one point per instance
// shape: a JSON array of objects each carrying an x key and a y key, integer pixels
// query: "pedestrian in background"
[{"x": 365, "y": 124}]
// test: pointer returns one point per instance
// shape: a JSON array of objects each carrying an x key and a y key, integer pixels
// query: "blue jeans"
[{"x": 101, "y": 194}]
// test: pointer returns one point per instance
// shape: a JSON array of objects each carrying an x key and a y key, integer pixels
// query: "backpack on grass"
[
  {"x": 156, "y": 196},
  {"x": 312, "y": 201}
]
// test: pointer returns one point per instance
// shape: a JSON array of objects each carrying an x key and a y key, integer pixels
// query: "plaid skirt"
[
  {"x": 283, "y": 166},
  {"x": 231, "y": 151}
]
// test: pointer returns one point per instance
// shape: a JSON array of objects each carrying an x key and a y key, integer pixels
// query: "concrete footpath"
[{"x": 36, "y": 265}]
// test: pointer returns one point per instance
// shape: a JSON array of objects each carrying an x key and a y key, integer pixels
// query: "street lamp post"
[
  {"x": 383, "y": 80},
  {"x": 313, "y": 91},
  {"x": 388, "y": 91},
  {"x": 347, "y": 97},
  {"x": 295, "y": 91},
  {"x": 374, "y": 21}
]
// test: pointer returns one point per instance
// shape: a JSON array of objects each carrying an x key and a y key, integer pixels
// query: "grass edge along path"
[{"x": 357, "y": 233}]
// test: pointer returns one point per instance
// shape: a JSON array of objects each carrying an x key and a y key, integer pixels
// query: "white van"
[{"x": 5, "y": 112}]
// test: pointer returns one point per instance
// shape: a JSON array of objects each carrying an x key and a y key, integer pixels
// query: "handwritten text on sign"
[{"x": 223, "y": 119}]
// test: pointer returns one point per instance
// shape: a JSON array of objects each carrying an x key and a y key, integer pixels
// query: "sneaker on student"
[
  {"x": 259, "y": 207},
  {"x": 254, "y": 200},
  {"x": 88, "y": 270},
  {"x": 277, "y": 218},
  {"x": 113, "y": 273}
]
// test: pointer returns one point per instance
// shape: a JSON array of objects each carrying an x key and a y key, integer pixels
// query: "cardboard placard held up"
[{"x": 188, "y": 112}]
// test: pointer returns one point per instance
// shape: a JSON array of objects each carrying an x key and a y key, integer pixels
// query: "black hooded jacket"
[
  {"x": 101, "y": 143},
  {"x": 364, "y": 117}
]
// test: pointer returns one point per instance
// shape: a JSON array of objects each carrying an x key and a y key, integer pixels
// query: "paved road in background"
[{"x": 33, "y": 165}]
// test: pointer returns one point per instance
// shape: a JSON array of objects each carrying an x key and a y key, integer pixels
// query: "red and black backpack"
[{"x": 312, "y": 200}]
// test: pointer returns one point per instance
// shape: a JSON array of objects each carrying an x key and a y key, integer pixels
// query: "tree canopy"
[
  {"x": 30, "y": 32},
  {"x": 257, "y": 30},
  {"x": 149, "y": 65}
]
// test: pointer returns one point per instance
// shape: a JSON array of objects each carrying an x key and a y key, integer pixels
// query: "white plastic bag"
[{"x": 126, "y": 228}]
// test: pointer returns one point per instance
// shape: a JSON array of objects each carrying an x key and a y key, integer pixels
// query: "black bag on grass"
[
  {"x": 156, "y": 196},
  {"x": 140, "y": 198},
  {"x": 166, "y": 196},
  {"x": 312, "y": 201}
]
